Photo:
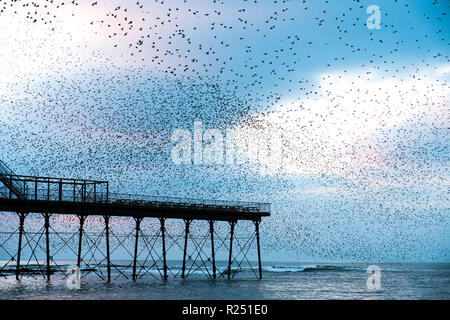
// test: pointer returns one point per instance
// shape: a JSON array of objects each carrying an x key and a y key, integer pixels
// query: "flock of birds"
[{"x": 218, "y": 61}]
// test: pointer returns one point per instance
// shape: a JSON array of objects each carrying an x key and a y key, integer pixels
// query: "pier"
[{"x": 92, "y": 217}]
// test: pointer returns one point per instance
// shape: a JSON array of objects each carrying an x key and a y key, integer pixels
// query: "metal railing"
[
  {"x": 175, "y": 202},
  {"x": 55, "y": 189},
  {"x": 15, "y": 186},
  {"x": 46, "y": 194}
]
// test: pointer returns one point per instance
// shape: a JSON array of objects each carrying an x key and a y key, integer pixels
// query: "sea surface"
[{"x": 280, "y": 281}]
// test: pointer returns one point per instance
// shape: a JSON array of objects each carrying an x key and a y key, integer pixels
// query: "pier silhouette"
[{"x": 48, "y": 198}]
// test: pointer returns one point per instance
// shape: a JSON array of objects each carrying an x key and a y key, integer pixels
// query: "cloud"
[{"x": 343, "y": 127}]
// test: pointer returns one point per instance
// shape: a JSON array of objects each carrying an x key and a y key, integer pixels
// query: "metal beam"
[
  {"x": 230, "y": 257},
  {"x": 123, "y": 210},
  {"x": 186, "y": 234},
  {"x": 47, "y": 243},
  {"x": 259, "y": 248},
  {"x": 19, "y": 250},
  {"x": 80, "y": 239},
  {"x": 213, "y": 256},
  {"x": 108, "y": 258},
  {"x": 138, "y": 227},
  {"x": 163, "y": 229}
]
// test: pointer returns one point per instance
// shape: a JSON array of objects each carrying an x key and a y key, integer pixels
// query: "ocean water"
[{"x": 280, "y": 281}]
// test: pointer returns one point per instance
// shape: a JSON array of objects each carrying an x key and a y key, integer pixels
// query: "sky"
[{"x": 349, "y": 125}]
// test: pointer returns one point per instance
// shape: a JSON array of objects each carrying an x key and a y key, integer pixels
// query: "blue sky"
[{"x": 363, "y": 114}]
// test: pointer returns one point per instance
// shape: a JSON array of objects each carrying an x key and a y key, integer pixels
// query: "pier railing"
[
  {"x": 94, "y": 191},
  {"x": 161, "y": 201},
  {"x": 15, "y": 186}
]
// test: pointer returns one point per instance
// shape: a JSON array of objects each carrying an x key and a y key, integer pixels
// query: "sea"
[{"x": 280, "y": 280}]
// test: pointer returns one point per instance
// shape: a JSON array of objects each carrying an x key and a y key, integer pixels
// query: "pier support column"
[
  {"x": 80, "y": 239},
  {"x": 138, "y": 228},
  {"x": 186, "y": 234},
  {"x": 230, "y": 257},
  {"x": 108, "y": 258},
  {"x": 163, "y": 229},
  {"x": 213, "y": 256},
  {"x": 19, "y": 250},
  {"x": 259, "y": 248},
  {"x": 47, "y": 243}
]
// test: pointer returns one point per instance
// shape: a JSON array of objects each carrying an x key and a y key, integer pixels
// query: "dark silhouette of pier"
[{"x": 80, "y": 198}]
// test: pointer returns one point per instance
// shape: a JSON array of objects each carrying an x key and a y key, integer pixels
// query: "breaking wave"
[{"x": 310, "y": 268}]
